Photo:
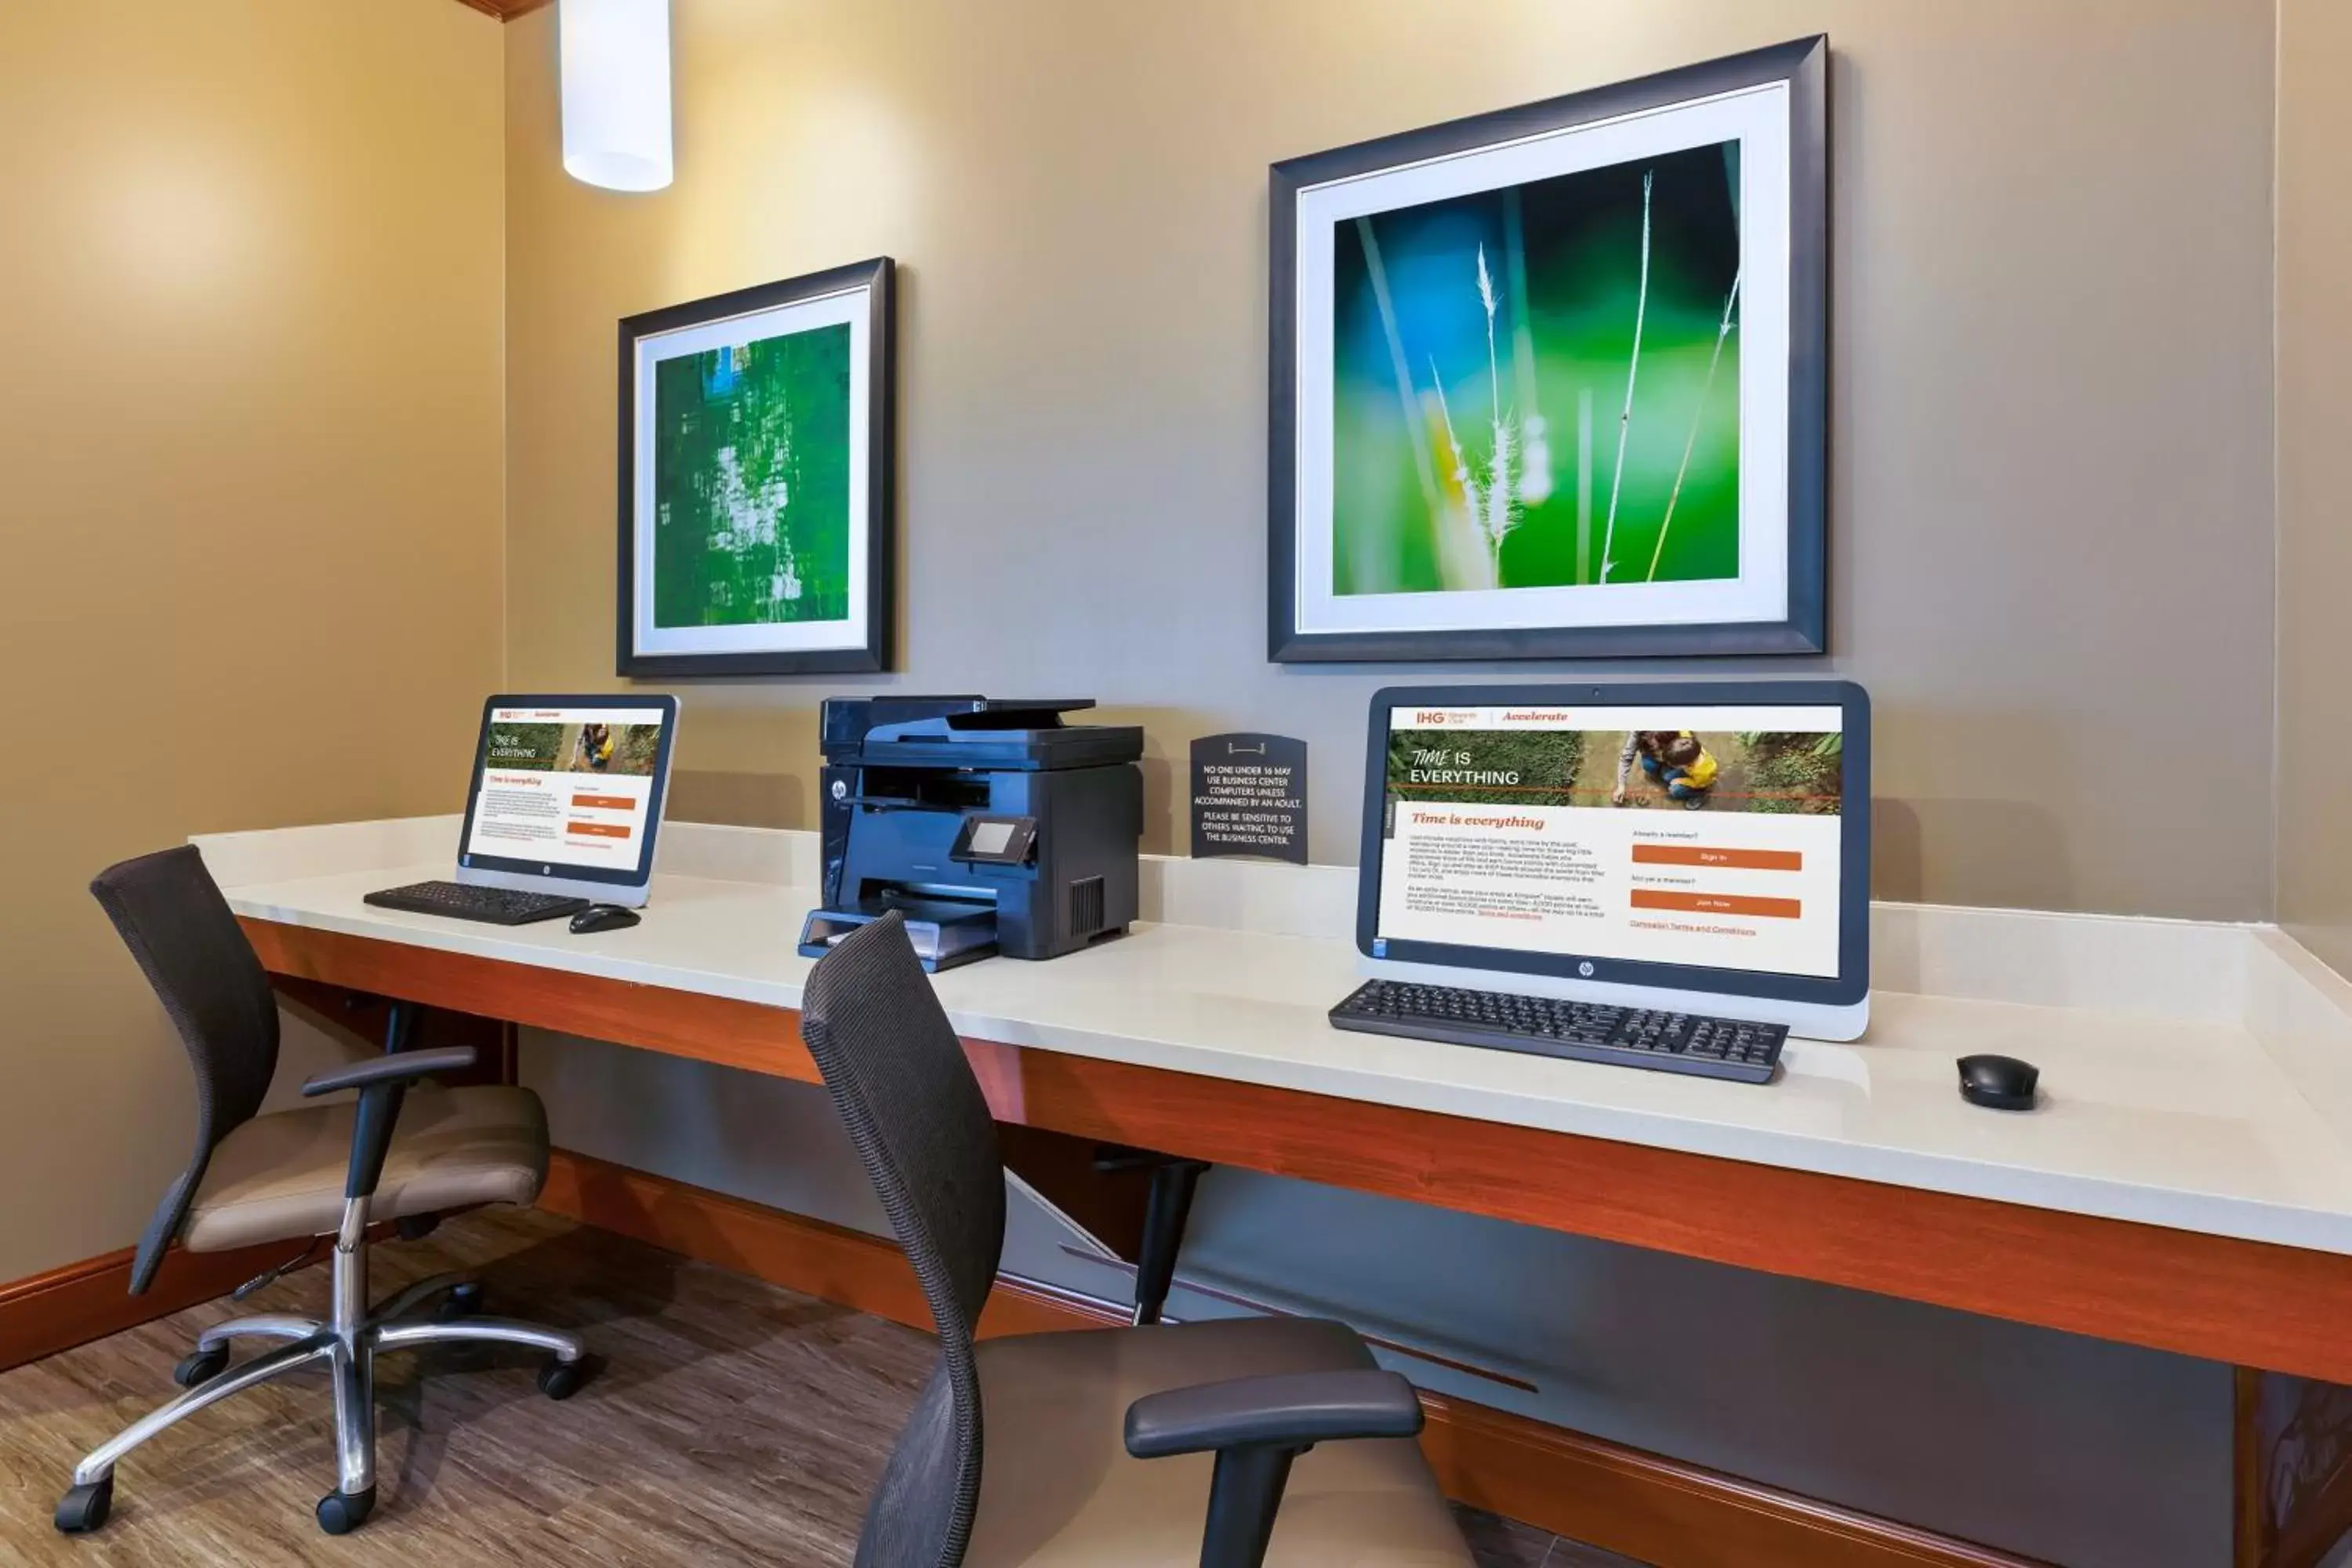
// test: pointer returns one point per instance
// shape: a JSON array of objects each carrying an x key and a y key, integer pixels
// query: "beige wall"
[
  {"x": 2314, "y": 465},
  {"x": 250, "y": 427},
  {"x": 2051, "y": 447}
]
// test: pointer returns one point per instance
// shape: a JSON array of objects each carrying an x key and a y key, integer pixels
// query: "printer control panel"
[{"x": 986, "y": 840}]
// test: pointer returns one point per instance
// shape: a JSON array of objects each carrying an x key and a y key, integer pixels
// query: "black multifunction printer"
[{"x": 991, "y": 824}]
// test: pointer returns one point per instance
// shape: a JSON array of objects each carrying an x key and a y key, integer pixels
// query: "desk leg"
[
  {"x": 1170, "y": 1206},
  {"x": 1132, "y": 1201}
]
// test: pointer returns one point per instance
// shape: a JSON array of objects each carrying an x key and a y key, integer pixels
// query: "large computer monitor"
[
  {"x": 567, "y": 795},
  {"x": 1659, "y": 844}
]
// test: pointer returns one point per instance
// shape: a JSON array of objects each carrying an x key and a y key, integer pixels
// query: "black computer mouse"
[
  {"x": 2003, "y": 1083},
  {"x": 602, "y": 917}
]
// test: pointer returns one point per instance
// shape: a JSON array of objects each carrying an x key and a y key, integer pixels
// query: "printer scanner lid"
[{"x": 972, "y": 732}]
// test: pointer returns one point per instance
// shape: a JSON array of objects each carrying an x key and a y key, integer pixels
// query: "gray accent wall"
[
  {"x": 2059, "y": 1448},
  {"x": 2051, "y": 382}
]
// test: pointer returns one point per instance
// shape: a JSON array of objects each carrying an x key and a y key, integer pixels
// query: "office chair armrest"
[
  {"x": 1292, "y": 1410},
  {"x": 389, "y": 1070},
  {"x": 382, "y": 1081},
  {"x": 1257, "y": 1425}
]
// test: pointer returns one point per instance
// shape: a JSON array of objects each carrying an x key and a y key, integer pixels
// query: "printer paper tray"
[{"x": 945, "y": 931}]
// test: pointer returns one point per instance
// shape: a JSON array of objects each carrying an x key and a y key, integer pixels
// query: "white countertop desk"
[{"x": 2186, "y": 1183}]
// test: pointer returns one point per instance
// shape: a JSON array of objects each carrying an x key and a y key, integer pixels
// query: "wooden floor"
[{"x": 733, "y": 1422}]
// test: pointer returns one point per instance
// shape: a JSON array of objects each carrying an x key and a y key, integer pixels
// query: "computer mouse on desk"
[
  {"x": 602, "y": 917},
  {"x": 2003, "y": 1083}
]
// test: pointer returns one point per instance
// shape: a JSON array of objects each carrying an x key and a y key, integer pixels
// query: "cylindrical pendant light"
[{"x": 615, "y": 63}]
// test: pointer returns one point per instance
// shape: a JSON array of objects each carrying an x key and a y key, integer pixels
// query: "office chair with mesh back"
[
  {"x": 300, "y": 1174},
  {"x": 1139, "y": 1447}
]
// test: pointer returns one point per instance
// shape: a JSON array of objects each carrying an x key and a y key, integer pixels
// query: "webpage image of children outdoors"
[
  {"x": 1768, "y": 772},
  {"x": 612, "y": 748}
]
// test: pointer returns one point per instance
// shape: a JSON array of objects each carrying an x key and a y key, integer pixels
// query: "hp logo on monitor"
[{"x": 1585, "y": 969}]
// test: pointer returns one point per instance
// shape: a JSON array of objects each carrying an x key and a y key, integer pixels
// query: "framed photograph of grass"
[
  {"x": 1552, "y": 383},
  {"x": 756, "y": 446}
]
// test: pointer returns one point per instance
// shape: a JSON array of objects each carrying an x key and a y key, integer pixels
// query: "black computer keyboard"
[
  {"x": 1628, "y": 1036},
  {"x": 498, "y": 906}
]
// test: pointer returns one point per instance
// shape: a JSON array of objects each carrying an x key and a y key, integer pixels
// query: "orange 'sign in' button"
[
  {"x": 1700, "y": 855},
  {"x": 598, "y": 829}
]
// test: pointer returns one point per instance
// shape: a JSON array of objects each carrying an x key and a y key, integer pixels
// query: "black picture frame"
[
  {"x": 878, "y": 279},
  {"x": 1804, "y": 66}
]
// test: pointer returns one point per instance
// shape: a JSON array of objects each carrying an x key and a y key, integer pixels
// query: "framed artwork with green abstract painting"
[
  {"x": 756, "y": 442},
  {"x": 1552, "y": 382}
]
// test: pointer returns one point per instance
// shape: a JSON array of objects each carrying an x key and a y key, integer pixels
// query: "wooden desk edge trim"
[
  {"x": 2244, "y": 1302},
  {"x": 1587, "y": 1488}
]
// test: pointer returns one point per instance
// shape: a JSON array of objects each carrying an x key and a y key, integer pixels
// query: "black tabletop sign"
[{"x": 1249, "y": 796}]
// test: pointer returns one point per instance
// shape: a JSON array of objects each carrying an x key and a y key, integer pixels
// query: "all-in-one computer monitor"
[
  {"x": 567, "y": 795},
  {"x": 1689, "y": 846}
]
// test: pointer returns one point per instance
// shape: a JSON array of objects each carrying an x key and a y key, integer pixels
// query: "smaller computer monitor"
[
  {"x": 567, "y": 794},
  {"x": 1659, "y": 844}
]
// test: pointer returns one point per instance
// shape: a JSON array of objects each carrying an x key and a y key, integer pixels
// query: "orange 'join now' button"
[
  {"x": 1717, "y": 904},
  {"x": 603, "y": 803},
  {"x": 598, "y": 829},
  {"x": 1699, "y": 855}
]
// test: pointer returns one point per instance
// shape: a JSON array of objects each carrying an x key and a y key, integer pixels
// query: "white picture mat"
[
  {"x": 1757, "y": 118},
  {"x": 853, "y": 307}
]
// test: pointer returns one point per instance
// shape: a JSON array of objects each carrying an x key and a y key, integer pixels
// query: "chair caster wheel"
[
  {"x": 563, "y": 1379},
  {"x": 83, "y": 1509},
  {"x": 339, "y": 1513},
  {"x": 200, "y": 1366},
  {"x": 463, "y": 1301}
]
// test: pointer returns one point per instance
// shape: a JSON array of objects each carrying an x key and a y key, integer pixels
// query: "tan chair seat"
[
  {"x": 279, "y": 1177},
  {"x": 1058, "y": 1490}
]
